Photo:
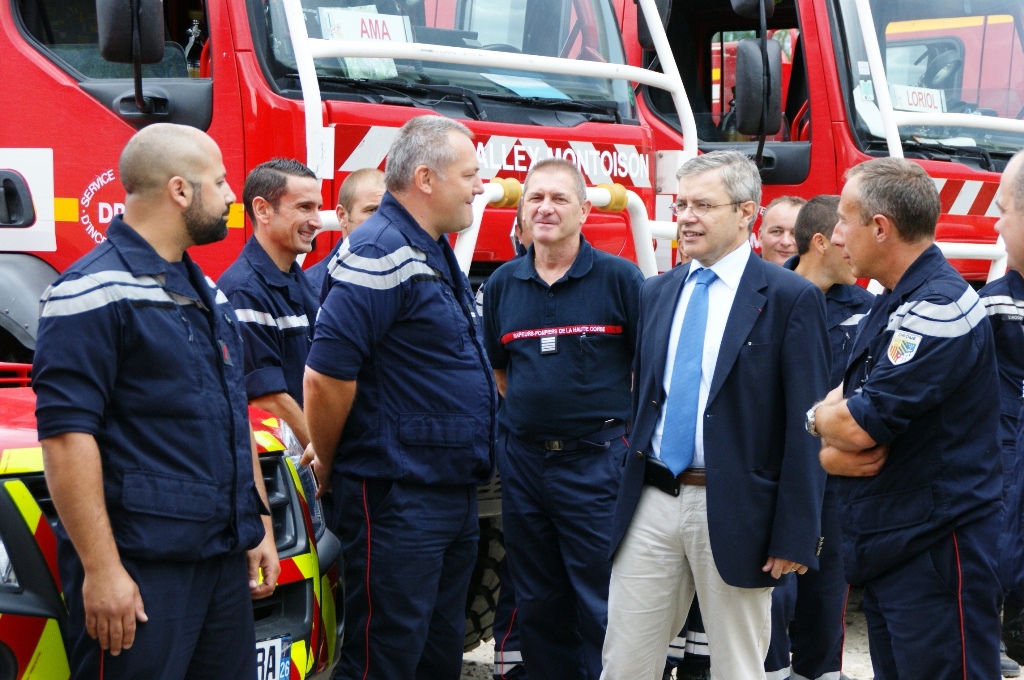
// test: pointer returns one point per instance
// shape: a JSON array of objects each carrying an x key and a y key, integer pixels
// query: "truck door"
[{"x": 66, "y": 103}]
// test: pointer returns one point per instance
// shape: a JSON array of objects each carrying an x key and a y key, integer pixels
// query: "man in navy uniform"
[
  {"x": 274, "y": 301},
  {"x": 401, "y": 402},
  {"x": 559, "y": 326},
  {"x": 1004, "y": 304},
  {"x": 912, "y": 435},
  {"x": 721, "y": 494},
  {"x": 807, "y": 610},
  {"x": 143, "y": 420}
]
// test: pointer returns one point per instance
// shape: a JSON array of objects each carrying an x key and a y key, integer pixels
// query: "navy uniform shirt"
[
  {"x": 1004, "y": 304},
  {"x": 567, "y": 348},
  {"x": 845, "y": 306},
  {"x": 145, "y": 355},
  {"x": 398, "y": 318},
  {"x": 277, "y": 311},
  {"x": 922, "y": 380}
]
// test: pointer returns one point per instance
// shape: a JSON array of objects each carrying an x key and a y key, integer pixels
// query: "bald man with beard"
[{"x": 142, "y": 416}]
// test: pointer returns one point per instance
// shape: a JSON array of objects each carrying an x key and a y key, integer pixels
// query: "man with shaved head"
[{"x": 145, "y": 436}]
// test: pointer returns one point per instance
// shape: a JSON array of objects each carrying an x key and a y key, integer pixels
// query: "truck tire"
[{"x": 484, "y": 585}]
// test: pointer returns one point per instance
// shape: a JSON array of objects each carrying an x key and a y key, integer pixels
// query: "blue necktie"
[{"x": 678, "y": 435}]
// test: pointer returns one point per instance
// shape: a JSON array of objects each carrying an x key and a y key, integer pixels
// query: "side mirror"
[
  {"x": 750, "y": 95},
  {"x": 643, "y": 30},
  {"x": 751, "y": 9},
  {"x": 114, "y": 19}
]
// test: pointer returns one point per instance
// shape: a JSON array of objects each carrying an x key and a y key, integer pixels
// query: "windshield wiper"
[
  {"x": 409, "y": 92},
  {"x": 597, "y": 106},
  {"x": 937, "y": 151}
]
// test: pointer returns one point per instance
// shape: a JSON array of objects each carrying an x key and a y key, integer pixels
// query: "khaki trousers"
[{"x": 663, "y": 560}]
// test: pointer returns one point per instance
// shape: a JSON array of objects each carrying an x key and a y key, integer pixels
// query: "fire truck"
[
  {"x": 328, "y": 82},
  {"x": 939, "y": 82}
]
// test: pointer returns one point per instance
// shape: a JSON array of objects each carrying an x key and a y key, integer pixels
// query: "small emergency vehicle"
[{"x": 939, "y": 82}]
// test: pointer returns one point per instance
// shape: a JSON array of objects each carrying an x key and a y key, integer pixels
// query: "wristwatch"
[{"x": 809, "y": 423}]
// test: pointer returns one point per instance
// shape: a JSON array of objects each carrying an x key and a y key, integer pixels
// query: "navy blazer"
[{"x": 764, "y": 482}]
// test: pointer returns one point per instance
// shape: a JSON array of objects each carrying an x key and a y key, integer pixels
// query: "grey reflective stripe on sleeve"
[
  {"x": 104, "y": 288},
  {"x": 264, "y": 319},
  {"x": 381, "y": 273},
  {"x": 1003, "y": 304},
  {"x": 949, "y": 320},
  {"x": 853, "y": 320}
]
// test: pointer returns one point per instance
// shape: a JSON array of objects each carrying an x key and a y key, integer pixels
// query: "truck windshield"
[
  {"x": 941, "y": 56},
  {"x": 569, "y": 29}
]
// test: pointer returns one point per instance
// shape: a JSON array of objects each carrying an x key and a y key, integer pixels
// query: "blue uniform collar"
[
  {"x": 439, "y": 253},
  {"x": 917, "y": 273},
  {"x": 142, "y": 260},
  {"x": 267, "y": 270},
  {"x": 580, "y": 266}
]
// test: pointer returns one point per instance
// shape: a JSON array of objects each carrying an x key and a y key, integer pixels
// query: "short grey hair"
[
  {"x": 900, "y": 190},
  {"x": 739, "y": 174},
  {"x": 562, "y": 165},
  {"x": 1017, "y": 185},
  {"x": 423, "y": 140}
]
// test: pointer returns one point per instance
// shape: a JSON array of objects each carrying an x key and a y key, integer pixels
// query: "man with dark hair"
[
  {"x": 807, "y": 611},
  {"x": 1004, "y": 303},
  {"x": 274, "y": 301},
  {"x": 911, "y": 433},
  {"x": 400, "y": 401},
  {"x": 144, "y": 426},
  {"x": 559, "y": 327},
  {"x": 720, "y": 493},
  {"x": 358, "y": 198}
]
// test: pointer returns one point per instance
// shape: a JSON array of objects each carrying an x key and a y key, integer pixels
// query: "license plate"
[{"x": 273, "y": 659}]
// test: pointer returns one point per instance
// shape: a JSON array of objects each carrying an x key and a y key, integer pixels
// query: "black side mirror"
[
  {"x": 115, "y": 18},
  {"x": 643, "y": 31},
  {"x": 750, "y": 95},
  {"x": 751, "y": 9}
]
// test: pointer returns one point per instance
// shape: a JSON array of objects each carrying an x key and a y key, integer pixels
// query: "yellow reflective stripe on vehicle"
[
  {"x": 49, "y": 661},
  {"x": 268, "y": 441},
  {"x": 20, "y": 461},
  {"x": 270, "y": 422},
  {"x": 236, "y": 216},
  {"x": 65, "y": 209},
  {"x": 27, "y": 506},
  {"x": 330, "y": 619},
  {"x": 920, "y": 25},
  {"x": 301, "y": 658}
]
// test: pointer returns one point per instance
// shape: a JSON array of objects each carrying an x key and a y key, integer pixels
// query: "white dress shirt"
[{"x": 721, "y": 293}]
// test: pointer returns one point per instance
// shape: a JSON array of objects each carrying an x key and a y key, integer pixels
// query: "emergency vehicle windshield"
[
  {"x": 941, "y": 56},
  {"x": 569, "y": 29}
]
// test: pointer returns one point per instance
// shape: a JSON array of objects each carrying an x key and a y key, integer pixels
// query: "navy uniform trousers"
[
  {"x": 200, "y": 622},
  {"x": 961, "y": 638},
  {"x": 557, "y": 507},
  {"x": 409, "y": 554}
]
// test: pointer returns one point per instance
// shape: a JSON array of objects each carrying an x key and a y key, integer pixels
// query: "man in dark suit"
[{"x": 721, "y": 491}]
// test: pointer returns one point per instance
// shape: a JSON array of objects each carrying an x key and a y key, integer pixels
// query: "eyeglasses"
[{"x": 699, "y": 209}]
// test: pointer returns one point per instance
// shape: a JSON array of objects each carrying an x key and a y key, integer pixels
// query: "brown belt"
[{"x": 693, "y": 477}]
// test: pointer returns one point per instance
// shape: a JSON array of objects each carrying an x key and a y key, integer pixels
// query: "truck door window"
[{"x": 65, "y": 30}]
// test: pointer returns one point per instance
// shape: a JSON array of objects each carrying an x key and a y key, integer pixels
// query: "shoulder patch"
[{"x": 903, "y": 347}]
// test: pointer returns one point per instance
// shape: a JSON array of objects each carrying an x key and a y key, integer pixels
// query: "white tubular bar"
[
  {"x": 878, "y": 79},
  {"x": 307, "y": 75},
  {"x": 488, "y": 58},
  {"x": 978, "y": 251},
  {"x": 465, "y": 244},
  {"x": 668, "y": 66},
  {"x": 968, "y": 120},
  {"x": 644, "y": 229},
  {"x": 329, "y": 221}
]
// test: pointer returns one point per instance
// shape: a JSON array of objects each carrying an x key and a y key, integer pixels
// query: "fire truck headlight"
[
  {"x": 8, "y": 579},
  {"x": 294, "y": 451}
]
